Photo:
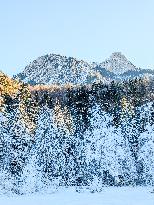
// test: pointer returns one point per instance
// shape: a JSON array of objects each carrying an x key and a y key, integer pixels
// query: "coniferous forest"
[{"x": 94, "y": 135}]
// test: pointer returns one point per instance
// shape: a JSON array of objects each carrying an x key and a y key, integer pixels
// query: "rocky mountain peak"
[
  {"x": 118, "y": 56},
  {"x": 57, "y": 69},
  {"x": 118, "y": 64}
]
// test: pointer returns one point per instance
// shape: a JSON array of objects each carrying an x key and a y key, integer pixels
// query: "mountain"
[
  {"x": 57, "y": 69},
  {"x": 8, "y": 87},
  {"x": 78, "y": 134},
  {"x": 118, "y": 67},
  {"x": 118, "y": 64},
  {"x": 84, "y": 136}
]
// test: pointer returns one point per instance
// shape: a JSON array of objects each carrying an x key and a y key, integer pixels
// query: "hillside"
[
  {"x": 8, "y": 86},
  {"x": 57, "y": 69},
  {"x": 77, "y": 135}
]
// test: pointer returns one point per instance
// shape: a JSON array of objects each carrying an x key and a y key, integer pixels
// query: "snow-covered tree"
[{"x": 146, "y": 145}]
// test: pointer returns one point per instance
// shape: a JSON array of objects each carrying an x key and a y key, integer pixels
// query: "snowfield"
[{"x": 68, "y": 196}]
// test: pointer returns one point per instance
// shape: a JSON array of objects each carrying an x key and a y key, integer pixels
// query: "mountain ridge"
[{"x": 58, "y": 69}]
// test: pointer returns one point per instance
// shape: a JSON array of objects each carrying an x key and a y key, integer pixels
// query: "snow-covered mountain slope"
[
  {"x": 118, "y": 64},
  {"x": 103, "y": 155},
  {"x": 118, "y": 67},
  {"x": 97, "y": 138},
  {"x": 57, "y": 69}
]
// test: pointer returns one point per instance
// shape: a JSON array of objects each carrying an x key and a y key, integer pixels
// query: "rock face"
[
  {"x": 118, "y": 64},
  {"x": 57, "y": 69}
]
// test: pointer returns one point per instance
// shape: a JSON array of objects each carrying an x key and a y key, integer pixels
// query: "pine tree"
[{"x": 146, "y": 146}]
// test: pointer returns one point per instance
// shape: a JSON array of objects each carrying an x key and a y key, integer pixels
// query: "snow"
[
  {"x": 68, "y": 196},
  {"x": 57, "y": 69}
]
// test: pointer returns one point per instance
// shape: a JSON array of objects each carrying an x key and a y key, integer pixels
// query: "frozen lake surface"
[{"x": 68, "y": 196}]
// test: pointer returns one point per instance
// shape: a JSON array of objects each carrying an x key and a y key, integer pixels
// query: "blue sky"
[{"x": 86, "y": 29}]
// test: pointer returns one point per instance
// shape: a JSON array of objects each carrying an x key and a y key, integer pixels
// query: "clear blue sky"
[{"x": 86, "y": 29}]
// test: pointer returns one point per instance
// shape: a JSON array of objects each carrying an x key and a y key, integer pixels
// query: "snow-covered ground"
[{"x": 108, "y": 196}]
